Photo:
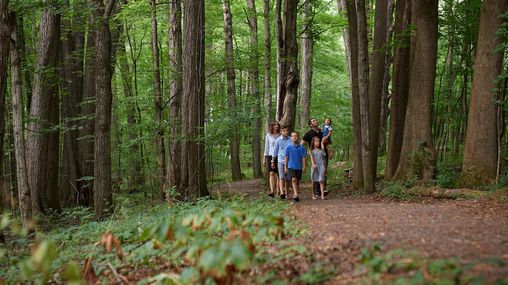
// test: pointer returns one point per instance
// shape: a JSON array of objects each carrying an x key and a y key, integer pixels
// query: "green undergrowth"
[
  {"x": 211, "y": 241},
  {"x": 403, "y": 267}
]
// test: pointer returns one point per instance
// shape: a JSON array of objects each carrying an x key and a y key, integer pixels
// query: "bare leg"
[
  {"x": 322, "y": 184},
  {"x": 313, "y": 190},
  {"x": 295, "y": 187},
  {"x": 273, "y": 182}
]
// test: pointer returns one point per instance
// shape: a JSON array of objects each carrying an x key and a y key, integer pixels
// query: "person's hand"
[
  {"x": 285, "y": 170},
  {"x": 273, "y": 164},
  {"x": 313, "y": 165},
  {"x": 304, "y": 168},
  {"x": 264, "y": 163}
]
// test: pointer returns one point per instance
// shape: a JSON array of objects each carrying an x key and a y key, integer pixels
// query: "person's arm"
[
  {"x": 267, "y": 145},
  {"x": 304, "y": 164},
  {"x": 286, "y": 164},
  {"x": 275, "y": 152},
  {"x": 313, "y": 163}
]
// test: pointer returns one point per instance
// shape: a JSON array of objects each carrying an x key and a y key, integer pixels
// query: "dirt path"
[{"x": 343, "y": 224}]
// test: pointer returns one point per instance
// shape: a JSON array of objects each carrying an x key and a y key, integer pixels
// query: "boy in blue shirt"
[
  {"x": 278, "y": 158},
  {"x": 295, "y": 162}
]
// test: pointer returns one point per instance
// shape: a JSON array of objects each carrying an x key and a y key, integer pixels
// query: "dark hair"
[
  {"x": 295, "y": 132},
  {"x": 284, "y": 127},
  {"x": 328, "y": 119},
  {"x": 310, "y": 121},
  {"x": 272, "y": 127},
  {"x": 312, "y": 143}
]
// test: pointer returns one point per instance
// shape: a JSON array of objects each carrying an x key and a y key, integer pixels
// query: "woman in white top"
[{"x": 269, "y": 147}]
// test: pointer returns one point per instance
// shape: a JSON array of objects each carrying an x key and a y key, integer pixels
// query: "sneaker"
[
  {"x": 296, "y": 199},
  {"x": 313, "y": 197},
  {"x": 271, "y": 195},
  {"x": 282, "y": 196}
]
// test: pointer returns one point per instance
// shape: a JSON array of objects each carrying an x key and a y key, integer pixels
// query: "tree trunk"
[
  {"x": 279, "y": 35},
  {"x": 159, "y": 138},
  {"x": 193, "y": 59},
  {"x": 177, "y": 158},
  {"x": 306, "y": 72},
  {"x": 268, "y": 67},
  {"x": 291, "y": 76},
  {"x": 418, "y": 155},
  {"x": 44, "y": 85},
  {"x": 400, "y": 86},
  {"x": 4, "y": 59},
  {"x": 480, "y": 150},
  {"x": 234, "y": 144},
  {"x": 363, "y": 89},
  {"x": 385, "y": 97},
  {"x": 103, "y": 196},
  {"x": 25, "y": 202},
  {"x": 353, "y": 77},
  {"x": 72, "y": 53},
  {"x": 254, "y": 88}
]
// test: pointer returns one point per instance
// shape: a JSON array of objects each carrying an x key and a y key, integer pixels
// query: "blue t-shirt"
[
  {"x": 279, "y": 150},
  {"x": 295, "y": 154}
]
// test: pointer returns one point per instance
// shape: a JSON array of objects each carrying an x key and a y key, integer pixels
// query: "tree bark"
[
  {"x": 234, "y": 144},
  {"x": 103, "y": 196},
  {"x": 44, "y": 85},
  {"x": 385, "y": 97},
  {"x": 72, "y": 54},
  {"x": 268, "y": 67},
  {"x": 4, "y": 59},
  {"x": 355, "y": 96},
  {"x": 418, "y": 154},
  {"x": 480, "y": 151},
  {"x": 254, "y": 88},
  {"x": 193, "y": 59},
  {"x": 400, "y": 86},
  {"x": 177, "y": 158},
  {"x": 279, "y": 35},
  {"x": 25, "y": 202},
  {"x": 306, "y": 72},
  {"x": 363, "y": 89},
  {"x": 291, "y": 76},
  {"x": 159, "y": 137}
]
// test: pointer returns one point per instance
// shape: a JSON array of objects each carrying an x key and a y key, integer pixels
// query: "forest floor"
[{"x": 348, "y": 228}]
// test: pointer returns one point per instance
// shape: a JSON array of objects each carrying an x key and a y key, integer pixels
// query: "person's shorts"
[
  {"x": 269, "y": 164},
  {"x": 282, "y": 175},
  {"x": 295, "y": 173}
]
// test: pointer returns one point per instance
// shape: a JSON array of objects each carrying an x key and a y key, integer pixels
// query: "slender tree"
[
  {"x": 268, "y": 67},
  {"x": 254, "y": 87},
  {"x": 352, "y": 44},
  {"x": 307, "y": 56},
  {"x": 400, "y": 85},
  {"x": 279, "y": 35},
  {"x": 159, "y": 137},
  {"x": 177, "y": 159},
  {"x": 481, "y": 146},
  {"x": 234, "y": 144},
  {"x": 4, "y": 59},
  {"x": 291, "y": 75},
  {"x": 417, "y": 146},
  {"x": 193, "y": 61},
  {"x": 363, "y": 90}
]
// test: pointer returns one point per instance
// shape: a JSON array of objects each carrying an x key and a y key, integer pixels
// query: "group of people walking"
[{"x": 286, "y": 158}]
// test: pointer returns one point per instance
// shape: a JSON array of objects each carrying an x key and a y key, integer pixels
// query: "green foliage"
[
  {"x": 447, "y": 175},
  {"x": 395, "y": 190}
]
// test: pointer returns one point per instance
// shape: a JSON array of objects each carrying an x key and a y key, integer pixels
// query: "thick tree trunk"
[
  {"x": 291, "y": 75},
  {"x": 400, "y": 86},
  {"x": 4, "y": 59},
  {"x": 159, "y": 137},
  {"x": 306, "y": 72},
  {"x": 72, "y": 54},
  {"x": 25, "y": 202},
  {"x": 234, "y": 144},
  {"x": 193, "y": 59},
  {"x": 177, "y": 158},
  {"x": 481, "y": 147},
  {"x": 363, "y": 90},
  {"x": 254, "y": 88},
  {"x": 268, "y": 67},
  {"x": 44, "y": 85},
  {"x": 418, "y": 155},
  {"x": 279, "y": 35},
  {"x": 103, "y": 196},
  {"x": 353, "y": 77}
]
